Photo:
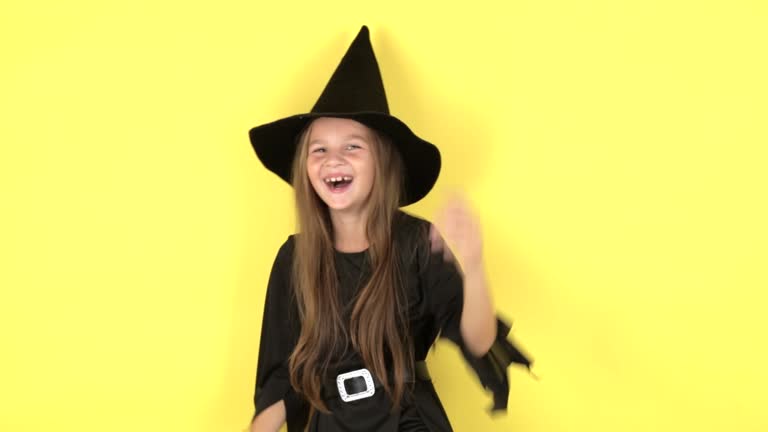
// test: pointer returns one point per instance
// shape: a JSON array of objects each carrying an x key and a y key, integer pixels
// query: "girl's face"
[{"x": 340, "y": 163}]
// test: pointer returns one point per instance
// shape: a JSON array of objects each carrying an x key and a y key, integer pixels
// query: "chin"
[{"x": 338, "y": 206}]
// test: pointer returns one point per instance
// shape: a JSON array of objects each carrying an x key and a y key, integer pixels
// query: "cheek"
[
  {"x": 371, "y": 171},
  {"x": 369, "y": 177},
  {"x": 311, "y": 168},
  {"x": 312, "y": 173},
  {"x": 365, "y": 165}
]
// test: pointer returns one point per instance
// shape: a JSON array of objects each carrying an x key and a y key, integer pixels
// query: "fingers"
[{"x": 456, "y": 231}]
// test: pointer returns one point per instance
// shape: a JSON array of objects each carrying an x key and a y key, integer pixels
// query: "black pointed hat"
[{"x": 355, "y": 91}]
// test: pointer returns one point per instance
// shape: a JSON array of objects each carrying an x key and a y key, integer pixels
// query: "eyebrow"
[{"x": 347, "y": 138}]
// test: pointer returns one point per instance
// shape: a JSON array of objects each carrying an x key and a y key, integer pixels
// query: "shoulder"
[
  {"x": 286, "y": 249},
  {"x": 412, "y": 236},
  {"x": 284, "y": 256},
  {"x": 407, "y": 224}
]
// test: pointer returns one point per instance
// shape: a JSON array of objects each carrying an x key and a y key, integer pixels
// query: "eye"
[
  {"x": 318, "y": 150},
  {"x": 353, "y": 146}
]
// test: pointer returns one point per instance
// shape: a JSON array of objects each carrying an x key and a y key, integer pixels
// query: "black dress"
[{"x": 435, "y": 297}]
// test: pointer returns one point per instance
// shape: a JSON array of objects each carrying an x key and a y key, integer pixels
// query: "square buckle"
[{"x": 370, "y": 389}]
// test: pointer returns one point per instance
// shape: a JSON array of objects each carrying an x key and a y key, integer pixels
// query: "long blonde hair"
[{"x": 378, "y": 328}]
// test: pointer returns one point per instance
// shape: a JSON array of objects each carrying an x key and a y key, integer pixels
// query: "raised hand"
[{"x": 457, "y": 226}]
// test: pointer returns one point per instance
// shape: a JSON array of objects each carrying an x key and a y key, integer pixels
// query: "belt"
[{"x": 361, "y": 383}]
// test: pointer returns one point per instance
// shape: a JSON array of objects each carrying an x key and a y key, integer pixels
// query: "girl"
[{"x": 357, "y": 298}]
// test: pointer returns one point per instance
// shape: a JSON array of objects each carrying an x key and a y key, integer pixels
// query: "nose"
[{"x": 334, "y": 159}]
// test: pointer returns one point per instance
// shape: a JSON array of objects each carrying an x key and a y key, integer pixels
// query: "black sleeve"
[
  {"x": 444, "y": 286},
  {"x": 279, "y": 333}
]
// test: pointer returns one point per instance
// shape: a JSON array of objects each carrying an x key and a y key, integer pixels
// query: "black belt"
[{"x": 361, "y": 383}]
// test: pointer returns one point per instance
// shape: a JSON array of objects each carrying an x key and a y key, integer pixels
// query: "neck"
[{"x": 349, "y": 231}]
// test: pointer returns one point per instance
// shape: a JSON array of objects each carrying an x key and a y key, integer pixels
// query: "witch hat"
[{"x": 355, "y": 91}]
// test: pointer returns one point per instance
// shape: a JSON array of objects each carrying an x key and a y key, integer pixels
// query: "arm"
[
  {"x": 275, "y": 401},
  {"x": 478, "y": 318},
  {"x": 271, "y": 419},
  {"x": 462, "y": 306}
]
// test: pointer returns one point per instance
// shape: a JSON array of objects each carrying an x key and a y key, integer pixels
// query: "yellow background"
[{"x": 615, "y": 152}]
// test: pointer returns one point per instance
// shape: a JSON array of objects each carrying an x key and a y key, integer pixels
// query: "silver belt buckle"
[{"x": 369, "y": 387}]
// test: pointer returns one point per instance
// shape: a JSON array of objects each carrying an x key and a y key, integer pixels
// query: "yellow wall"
[{"x": 616, "y": 152}]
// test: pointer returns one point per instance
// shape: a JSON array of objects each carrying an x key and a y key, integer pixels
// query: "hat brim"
[{"x": 275, "y": 145}]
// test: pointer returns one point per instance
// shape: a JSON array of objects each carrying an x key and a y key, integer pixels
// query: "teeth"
[{"x": 337, "y": 179}]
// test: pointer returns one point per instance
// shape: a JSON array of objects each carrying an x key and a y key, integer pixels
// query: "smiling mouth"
[{"x": 338, "y": 184}]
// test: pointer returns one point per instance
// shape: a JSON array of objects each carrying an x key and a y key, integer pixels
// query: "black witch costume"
[{"x": 433, "y": 287}]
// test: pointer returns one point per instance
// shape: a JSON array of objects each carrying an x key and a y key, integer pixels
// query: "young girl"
[{"x": 357, "y": 297}]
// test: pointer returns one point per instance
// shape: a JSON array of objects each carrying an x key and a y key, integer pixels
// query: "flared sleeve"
[
  {"x": 443, "y": 283},
  {"x": 279, "y": 333}
]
